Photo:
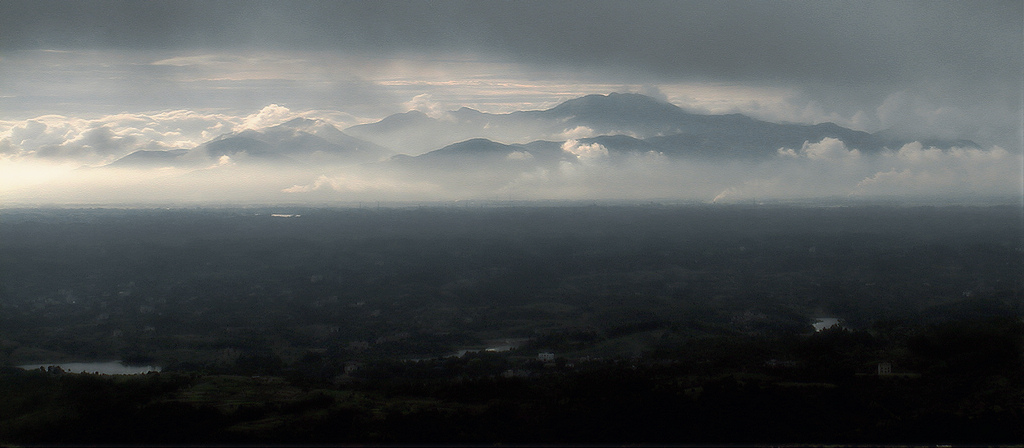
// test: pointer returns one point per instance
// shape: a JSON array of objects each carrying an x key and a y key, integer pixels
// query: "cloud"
[
  {"x": 59, "y": 138},
  {"x": 914, "y": 171},
  {"x": 519, "y": 155},
  {"x": 101, "y": 140},
  {"x": 815, "y": 169},
  {"x": 223, "y": 160},
  {"x": 577, "y": 132},
  {"x": 425, "y": 103},
  {"x": 956, "y": 172},
  {"x": 106, "y": 138},
  {"x": 915, "y": 152},
  {"x": 827, "y": 149},
  {"x": 911, "y": 113},
  {"x": 584, "y": 152},
  {"x": 268, "y": 116},
  {"x": 355, "y": 185},
  {"x": 875, "y": 41},
  {"x": 23, "y": 174},
  {"x": 321, "y": 183},
  {"x": 29, "y": 134},
  {"x": 652, "y": 91},
  {"x": 205, "y": 60},
  {"x": 882, "y": 42}
]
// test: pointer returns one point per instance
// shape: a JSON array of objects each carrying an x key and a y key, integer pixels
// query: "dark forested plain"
[{"x": 543, "y": 323}]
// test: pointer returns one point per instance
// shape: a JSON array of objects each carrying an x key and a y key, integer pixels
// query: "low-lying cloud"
[
  {"x": 908, "y": 173},
  {"x": 827, "y": 149},
  {"x": 98, "y": 141},
  {"x": 960, "y": 172},
  {"x": 585, "y": 152}
]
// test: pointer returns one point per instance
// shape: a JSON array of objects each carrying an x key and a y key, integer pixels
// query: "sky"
[{"x": 85, "y": 82}]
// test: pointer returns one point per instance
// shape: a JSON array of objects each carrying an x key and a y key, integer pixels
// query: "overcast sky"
[
  {"x": 864, "y": 64},
  {"x": 930, "y": 68}
]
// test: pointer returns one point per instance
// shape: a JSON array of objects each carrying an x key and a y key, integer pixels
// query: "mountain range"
[
  {"x": 620, "y": 124},
  {"x": 298, "y": 142}
]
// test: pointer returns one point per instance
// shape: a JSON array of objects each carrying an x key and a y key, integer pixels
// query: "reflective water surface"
[
  {"x": 106, "y": 368},
  {"x": 822, "y": 323}
]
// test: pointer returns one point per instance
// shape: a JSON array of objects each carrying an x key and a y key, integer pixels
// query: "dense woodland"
[{"x": 606, "y": 323}]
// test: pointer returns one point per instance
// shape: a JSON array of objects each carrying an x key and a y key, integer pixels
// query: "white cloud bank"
[
  {"x": 830, "y": 169},
  {"x": 98, "y": 141},
  {"x": 585, "y": 152},
  {"x": 957, "y": 172},
  {"x": 826, "y": 149}
]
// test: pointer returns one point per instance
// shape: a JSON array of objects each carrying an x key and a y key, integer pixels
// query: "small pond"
[{"x": 822, "y": 323}]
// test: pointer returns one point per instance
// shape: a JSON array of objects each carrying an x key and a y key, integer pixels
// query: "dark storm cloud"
[{"x": 852, "y": 43}]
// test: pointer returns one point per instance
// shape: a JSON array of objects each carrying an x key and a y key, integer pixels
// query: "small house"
[{"x": 884, "y": 368}]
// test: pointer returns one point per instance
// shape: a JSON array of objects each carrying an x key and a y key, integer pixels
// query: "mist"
[{"x": 825, "y": 170}]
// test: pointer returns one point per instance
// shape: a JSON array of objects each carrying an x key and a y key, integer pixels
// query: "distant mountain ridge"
[
  {"x": 667, "y": 128},
  {"x": 296, "y": 142},
  {"x": 621, "y": 123},
  {"x": 150, "y": 158}
]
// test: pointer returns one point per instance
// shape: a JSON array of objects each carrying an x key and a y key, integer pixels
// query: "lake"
[
  {"x": 105, "y": 368},
  {"x": 822, "y": 323}
]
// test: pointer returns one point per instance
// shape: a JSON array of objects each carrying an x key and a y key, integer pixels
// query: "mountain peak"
[
  {"x": 617, "y": 102},
  {"x": 149, "y": 158},
  {"x": 392, "y": 123},
  {"x": 616, "y": 112},
  {"x": 300, "y": 122},
  {"x": 475, "y": 145},
  {"x": 466, "y": 113},
  {"x": 412, "y": 115}
]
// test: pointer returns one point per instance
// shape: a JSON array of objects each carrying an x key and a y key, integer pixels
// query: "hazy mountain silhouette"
[
  {"x": 622, "y": 124},
  {"x": 618, "y": 113},
  {"x": 484, "y": 153},
  {"x": 300, "y": 139},
  {"x": 296, "y": 142},
  {"x": 664, "y": 128},
  {"x": 415, "y": 133},
  {"x": 150, "y": 159}
]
